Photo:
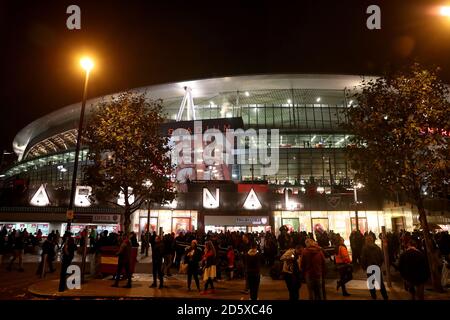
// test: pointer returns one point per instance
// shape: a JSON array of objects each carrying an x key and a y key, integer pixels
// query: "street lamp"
[
  {"x": 444, "y": 11},
  {"x": 87, "y": 64},
  {"x": 355, "y": 192}
]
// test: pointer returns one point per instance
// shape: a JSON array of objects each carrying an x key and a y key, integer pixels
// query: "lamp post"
[
  {"x": 355, "y": 192},
  {"x": 87, "y": 64}
]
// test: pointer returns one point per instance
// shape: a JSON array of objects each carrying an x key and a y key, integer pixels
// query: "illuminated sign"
[
  {"x": 251, "y": 220},
  {"x": 252, "y": 202},
  {"x": 82, "y": 194},
  {"x": 112, "y": 218},
  {"x": 40, "y": 198},
  {"x": 209, "y": 201}
]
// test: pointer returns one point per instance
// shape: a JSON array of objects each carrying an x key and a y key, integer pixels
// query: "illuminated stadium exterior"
[{"x": 311, "y": 189}]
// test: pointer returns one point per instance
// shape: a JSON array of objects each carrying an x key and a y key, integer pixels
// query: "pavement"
[
  {"x": 176, "y": 288},
  {"x": 26, "y": 285}
]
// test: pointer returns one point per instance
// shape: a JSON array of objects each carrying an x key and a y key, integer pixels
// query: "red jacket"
[
  {"x": 313, "y": 262},
  {"x": 230, "y": 256},
  {"x": 342, "y": 256}
]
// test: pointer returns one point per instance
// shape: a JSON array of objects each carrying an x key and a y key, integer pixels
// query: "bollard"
[
  {"x": 92, "y": 264},
  {"x": 44, "y": 265}
]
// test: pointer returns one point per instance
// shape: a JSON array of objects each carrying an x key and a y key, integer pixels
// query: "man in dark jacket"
[
  {"x": 169, "y": 252},
  {"x": 157, "y": 261},
  {"x": 68, "y": 252},
  {"x": 124, "y": 254},
  {"x": 313, "y": 267},
  {"x": 356, "y": 243},
  {"x": 253, "y": 270},
  {"x": 192, "y": 257},
  {"x": 372, "y": 255},
  {"x": 413, "y": 266},
  {"x": 47, "y": 255}
]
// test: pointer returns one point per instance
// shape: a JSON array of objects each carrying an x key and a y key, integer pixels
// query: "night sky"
[{"x": 138, "y": 43}]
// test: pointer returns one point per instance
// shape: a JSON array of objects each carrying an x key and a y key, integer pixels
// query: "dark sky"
[{"x": 139, "y": 43}]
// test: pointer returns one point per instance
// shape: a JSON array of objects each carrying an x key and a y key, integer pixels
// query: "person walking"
[
  {"x": 47, "y": 255},
  {"x": 143, "y": 242},
  {"x": 169, "y": 252},
  {"x": 19, "y": 246},
  {"x": 68, "y": 252},
  {"x": 313, "y": 267},
  {"x": 209, "y": 263},
  {"x": 356, "y": 244},
  {"x": 413, "y": 267},
  {"x": 124, "y": 262},
  {"x": 253, "y": 270},
  {"x": 343, "y": 264},
  {"x": 291, "y": 271},
  {"x": 192, "y": 258},
  {"x": 157, "y": 261},
  {"x": 372, "y": 255}
]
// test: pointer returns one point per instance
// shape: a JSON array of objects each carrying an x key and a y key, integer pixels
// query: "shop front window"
[
  {"x": 292, "y": 224},
  {"x": 153, "y": 224},
  {"x": 320, "y": 224},
  {"x": 181, "y": 225},
  {"x": 362, "y": 224}
]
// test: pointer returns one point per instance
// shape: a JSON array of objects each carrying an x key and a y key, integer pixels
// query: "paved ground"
[{"x": 26, "y": 285}]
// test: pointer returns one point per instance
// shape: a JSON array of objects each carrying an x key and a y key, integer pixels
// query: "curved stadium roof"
[{"x": 65, "y": 119}]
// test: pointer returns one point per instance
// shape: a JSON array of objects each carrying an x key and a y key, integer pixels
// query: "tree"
[
  {"x": 129, "y": 155},
  {"x": 400, "y": 126}
]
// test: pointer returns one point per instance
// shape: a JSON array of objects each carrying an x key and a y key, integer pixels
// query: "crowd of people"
[
  {"x": 297, "y": 257},
  {"x": 302, "y": 258}
]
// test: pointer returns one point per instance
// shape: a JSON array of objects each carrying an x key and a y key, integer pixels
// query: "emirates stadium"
[{"x": 312, "y": 187}]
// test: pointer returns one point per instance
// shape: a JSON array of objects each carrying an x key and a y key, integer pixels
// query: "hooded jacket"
[
  {"x": 313, "y": 262},
  {"x": 413, "y": 266},
  {"x": 371, "y": 255}
]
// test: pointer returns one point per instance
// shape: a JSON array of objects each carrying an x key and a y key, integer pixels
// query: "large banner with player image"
[{"x": 207, "y": 149}]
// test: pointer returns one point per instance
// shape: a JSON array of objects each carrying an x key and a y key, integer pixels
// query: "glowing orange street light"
[{"x": 87, "y": 64}]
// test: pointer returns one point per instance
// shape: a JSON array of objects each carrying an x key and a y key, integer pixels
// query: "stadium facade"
[{"x": 312, "y": 187}]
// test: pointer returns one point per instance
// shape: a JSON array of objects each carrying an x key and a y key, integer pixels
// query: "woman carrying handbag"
[{"x": 344, "y": 267}]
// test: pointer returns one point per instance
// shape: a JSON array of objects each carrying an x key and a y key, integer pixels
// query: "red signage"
[{"x": 258, "y": 188}]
